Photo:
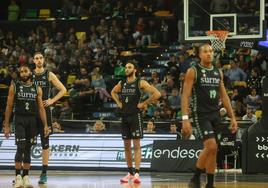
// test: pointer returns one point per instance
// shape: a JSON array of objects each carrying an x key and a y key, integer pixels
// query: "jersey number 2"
[{"x": 27, "y": 106}]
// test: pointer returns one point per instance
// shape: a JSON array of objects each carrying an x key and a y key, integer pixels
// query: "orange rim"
[{"x": 221, "y": 34}]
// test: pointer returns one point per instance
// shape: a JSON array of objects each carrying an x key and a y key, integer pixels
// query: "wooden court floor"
[{"x": 102, "y": 179}]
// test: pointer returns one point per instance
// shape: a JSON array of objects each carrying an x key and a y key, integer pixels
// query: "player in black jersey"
[
  {"x": 204, "y": 83},
  {"x": 26, "y": 97},
  {"x": 45, "y": 80},
  {"x": 131, "y": 105}
]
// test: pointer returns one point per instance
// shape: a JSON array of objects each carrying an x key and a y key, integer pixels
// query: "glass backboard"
[{"x": 244, "y": 19}]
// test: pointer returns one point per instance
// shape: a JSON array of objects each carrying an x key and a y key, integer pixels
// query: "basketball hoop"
[{"x": 218, "y": 38}]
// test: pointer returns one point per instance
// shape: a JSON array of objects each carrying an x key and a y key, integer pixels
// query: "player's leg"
[
  {"x": 128, "y": 153},
  {"x": 212, "y": 148},
  {"x": 26, "y": 166},
  {"x": 20, "y": 142},
  {"x": 137, "y": 135},
  {"x": 206, "y": 133},
  {"x": 45, "y": 147},
  {"x": 31, "y": 139}
]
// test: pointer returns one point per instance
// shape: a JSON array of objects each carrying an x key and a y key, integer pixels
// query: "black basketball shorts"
[
  {"x": 206, "y": 124},
  {"x": 132, "y": 126},
  {"x": 25, "y": 129}
]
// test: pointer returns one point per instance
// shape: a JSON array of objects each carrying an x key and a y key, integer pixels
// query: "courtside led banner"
[
  {"x": 83, "y": 150},
  {"x": 175, "y": 155}
]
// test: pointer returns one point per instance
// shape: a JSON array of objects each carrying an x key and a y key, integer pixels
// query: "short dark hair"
[
  {"x": 37, "y": 52},
  {"x": 25, "y": 65},
  {"x": 200, "y": 46},
  {"x": 134, "y": 63}
]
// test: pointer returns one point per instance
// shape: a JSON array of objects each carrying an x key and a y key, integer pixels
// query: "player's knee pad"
[
  {"x": 45, "y": 143},
  {"x": 27, "y": 154},
  {"x": 20, "y": 151},
  {"x": 45, "y": 146}
]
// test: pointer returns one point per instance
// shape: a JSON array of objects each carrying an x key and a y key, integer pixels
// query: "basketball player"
[
  {"x": 27, "y": 100},
  {"x": 204, "y": 83},
  {"x": 130, "y": 92},
  {"x": 44, "y": 79}
]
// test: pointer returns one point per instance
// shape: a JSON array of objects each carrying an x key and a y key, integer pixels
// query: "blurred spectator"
[
  {"x": 253, "y": 100},
  {"x": 219, "y": 6},
  {"x": 175, "y": 100},
  {"x": 66, "y": 8},
  {"x": 237, "y": 102},
  {"x": 157, "y": 114},
  {"x": 260, "y": 61},
  {"x": 50, "y": 64},
  {"x": 107, "y": 8},
  {"x": 13, "y": 11},
  {"x": 66, "y": 111},
  {"x": 99, "y": 85},
  {"x": 183, "y": 63},
  {"x": 118, "y": 10},
  {"x": 254, "y": 80},
  {"x": 94, "y": 9},
  {"x": 173, "y": 130},
  {"x": 57, "y": 127},
  {"x": 164, "y": 32},
  {"x": 223, "y": 114},
  {"x": 152, "y": 33},
  {"x": 250, "y": 116},
  {"x": 150, "y": 127},
  {"x": 240, "y": 6},
  {"x": 252, "y": 7},
  {"x": 166, "y": 110},
  {"x": 242, "y": 63},
  {"x": 99, "y": 127},
  {"x": 154, "y": 80},
  {"x": 173, "y": 66},
  {"x": 127, "y": 32},
  {"x": 139, "y": 29},
  {"x": 235, "y": 73},
  {"x": 82, "y": 91}
]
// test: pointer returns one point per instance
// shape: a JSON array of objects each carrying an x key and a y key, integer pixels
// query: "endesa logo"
[{"x": 178, "y": 153}]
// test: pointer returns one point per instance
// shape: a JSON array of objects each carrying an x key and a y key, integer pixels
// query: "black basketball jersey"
[
  {"x": 130, "y": 96},
  {"x": 205, "y": 95},
  {"x": 42, "y": 80},
  {"x": 25, "y": 99}
]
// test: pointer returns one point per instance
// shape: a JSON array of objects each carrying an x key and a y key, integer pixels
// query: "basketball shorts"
[
  {"x": 132, "y": 126},
  {"x": 25, "y": 129},
  {"x": 206, "y": 124}
]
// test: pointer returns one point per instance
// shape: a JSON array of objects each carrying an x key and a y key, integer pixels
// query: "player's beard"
[
  {"x": 130, "y": 74},
  {"x": 40, "y": 65},
  {"x": 25, "y": 78}
]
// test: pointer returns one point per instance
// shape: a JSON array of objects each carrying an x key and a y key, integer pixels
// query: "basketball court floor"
[{"x": 102, "y": 179}]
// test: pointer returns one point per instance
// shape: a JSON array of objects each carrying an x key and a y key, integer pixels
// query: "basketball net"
[{"x": 217, "y": 39}]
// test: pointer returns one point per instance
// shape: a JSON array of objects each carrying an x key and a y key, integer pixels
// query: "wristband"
[{"x": 185, "y": 117}]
